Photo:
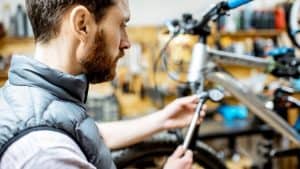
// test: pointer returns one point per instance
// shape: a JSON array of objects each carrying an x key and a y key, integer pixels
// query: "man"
[{"x": 43, "y": 121}]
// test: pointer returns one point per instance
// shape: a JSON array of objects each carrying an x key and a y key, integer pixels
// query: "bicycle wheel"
[
  {"x": 152, "y": 154},
  {"x": 293, "y": 25}
]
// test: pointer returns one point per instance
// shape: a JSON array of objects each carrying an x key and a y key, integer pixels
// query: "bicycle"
[{"x": 204, "y": 67}]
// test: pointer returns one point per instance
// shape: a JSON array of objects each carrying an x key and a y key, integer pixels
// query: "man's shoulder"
[
  {"x": 16, "y": 93},
  {"x": 34, "y": 97}
]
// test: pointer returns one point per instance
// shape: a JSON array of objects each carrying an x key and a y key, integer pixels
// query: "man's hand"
[
  {"x": 179, "y": 113},
  {"x": 180, "y": 159}
]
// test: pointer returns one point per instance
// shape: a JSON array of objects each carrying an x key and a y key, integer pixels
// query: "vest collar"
[{"x": 26, "y": 71}]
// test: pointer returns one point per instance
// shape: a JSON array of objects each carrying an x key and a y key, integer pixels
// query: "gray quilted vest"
[{"x": 37, "y": 97}]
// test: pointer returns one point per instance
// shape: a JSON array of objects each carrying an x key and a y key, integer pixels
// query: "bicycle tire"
[
  {"x": 143, "y": 155},
  {"x": 293, "y": 26}
]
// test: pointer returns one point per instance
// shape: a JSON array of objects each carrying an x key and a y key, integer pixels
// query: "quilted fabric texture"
[{"x": 37, "y": 97}]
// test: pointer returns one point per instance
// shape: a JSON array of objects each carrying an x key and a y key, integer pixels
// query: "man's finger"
[
  {"x": 201, "y": 117},
  {"x": 204, "y": 107},
  {"x": 188, "y": 155},
  {"x": 202, "y": 114},
  {"x": 178, "y": 152}
]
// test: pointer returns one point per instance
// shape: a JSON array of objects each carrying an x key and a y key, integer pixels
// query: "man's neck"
[{"x": 58, "y": 56}]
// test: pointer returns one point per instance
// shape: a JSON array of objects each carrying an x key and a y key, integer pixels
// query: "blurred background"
[{"x": 254, "y": 29}]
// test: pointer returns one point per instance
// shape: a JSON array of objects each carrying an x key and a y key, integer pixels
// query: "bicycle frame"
[{"x": 200, "y": 71}]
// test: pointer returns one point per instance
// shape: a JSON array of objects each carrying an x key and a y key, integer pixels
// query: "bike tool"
[{"x": 214, "y": 95}]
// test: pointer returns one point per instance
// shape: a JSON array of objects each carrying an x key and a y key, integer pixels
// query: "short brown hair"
[{"x": 45, "y": 15}]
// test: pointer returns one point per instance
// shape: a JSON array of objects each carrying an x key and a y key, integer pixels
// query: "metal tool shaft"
[{"x": 193, "y": 124}]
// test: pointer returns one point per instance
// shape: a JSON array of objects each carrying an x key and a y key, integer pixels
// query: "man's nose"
[{"x": 125, "y": 44}]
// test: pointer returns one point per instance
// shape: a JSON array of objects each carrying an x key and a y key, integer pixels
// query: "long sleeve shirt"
[{"x": 46, "y": 150}]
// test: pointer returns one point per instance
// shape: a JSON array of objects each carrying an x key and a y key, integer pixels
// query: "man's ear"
[{"x": 81, "y": 22}]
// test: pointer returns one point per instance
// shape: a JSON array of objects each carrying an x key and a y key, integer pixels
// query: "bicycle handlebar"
[
  {"x": 231, "y": 4},
  {"x": 189, "y": 25}
]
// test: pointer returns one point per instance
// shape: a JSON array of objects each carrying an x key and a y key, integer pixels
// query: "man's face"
[{"x": 108, "y": 44}]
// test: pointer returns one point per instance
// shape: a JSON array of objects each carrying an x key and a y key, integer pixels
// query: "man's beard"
[{"x": 98, "y": 65}]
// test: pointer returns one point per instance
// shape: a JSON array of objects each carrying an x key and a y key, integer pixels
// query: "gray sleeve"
[
  {"x": 58, "y": 158},
  {"x": 46, "y": 150}
]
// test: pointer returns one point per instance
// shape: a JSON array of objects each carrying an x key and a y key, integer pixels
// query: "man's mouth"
[{"x": 122, "y": 53}]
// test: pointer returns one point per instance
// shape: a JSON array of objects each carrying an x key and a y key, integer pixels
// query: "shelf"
[
  {"x": 3, "y": 74},
  {"x": 14, "y": 40},
  {"x": 13, "y": 45},
  {"x": 253, "y": 33}
]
